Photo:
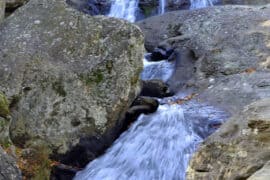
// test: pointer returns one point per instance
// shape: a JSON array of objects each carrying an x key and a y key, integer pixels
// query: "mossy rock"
[{"x": 4, "y": 106}]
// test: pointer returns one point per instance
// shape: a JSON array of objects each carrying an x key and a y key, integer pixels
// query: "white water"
[
  {"x": 196, "y": 4},
  {"x": 156, "y": 146},
  {"x": 124, "y": 9},
  {"x": 162, "y": 4},
  {"x": 157, "y": 70}
]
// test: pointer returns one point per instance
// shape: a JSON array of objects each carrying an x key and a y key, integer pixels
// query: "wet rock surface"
[
  {"x": 223, "y": 55},
  {"x": 218, "y": 53},
  {"x": 155, "y": 88}
]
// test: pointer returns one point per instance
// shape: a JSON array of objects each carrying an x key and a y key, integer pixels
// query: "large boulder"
[
  {"x": 224, "y": 56},
  {"x": 8, "y": 167},
  {"x": 239, "y": 149},
  {"x": 67, "y": 75}
]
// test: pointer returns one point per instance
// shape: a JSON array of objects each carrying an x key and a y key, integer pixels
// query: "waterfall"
[
  {"x": 157, "y": 146},
  {"x": 157, "y": 70},
  {"x": 125, "y": 9},
  {"x": 195, "y": 4},
  {"x": 162, "y": 4}
]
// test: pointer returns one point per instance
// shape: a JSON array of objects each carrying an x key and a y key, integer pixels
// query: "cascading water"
[
  {"x": 157, "y": 70},
  {"x": 124, "y": 9},
  {"x": 162, "y": 4},
  {"x": 195, "y": 4},
  {"x": 157, "y": 146}
]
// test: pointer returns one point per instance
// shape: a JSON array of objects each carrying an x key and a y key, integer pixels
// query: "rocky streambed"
[
  {"x": 68, "y": 82},
  {"x": 226, "y": 52}
]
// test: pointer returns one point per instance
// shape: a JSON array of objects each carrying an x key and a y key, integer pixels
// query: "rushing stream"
[{"x": 156, "y": 146}]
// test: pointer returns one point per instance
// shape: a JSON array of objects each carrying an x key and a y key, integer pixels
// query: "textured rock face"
[
  {"x": 67, "y": 75},
  {"x": 225, "y": 48},
  {"x": 8, "y": 167},
  {"x": 2, "y": 10},
  {"x": 239, "y": 149},
  {"x": 224, "y": 56}
]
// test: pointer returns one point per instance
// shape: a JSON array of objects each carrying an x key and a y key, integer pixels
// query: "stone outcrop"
[
  {"x": 239, "y": 149},
  {"x": 223, "y": 54},
  {"x": 66, "y": 75},
  {"x": 218, "y": 54}
]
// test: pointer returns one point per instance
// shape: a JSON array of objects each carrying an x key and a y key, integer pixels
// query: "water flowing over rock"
[
  {"x": 162, "y": 4},
  {"x": 227, "y": 49},
  {"x": 195, "y": 4},
  {"x": 157, "y": 70},
  {"x": 156, "y": 146},
  {"x": 67, "y": 75},
  {"x": 125, "y": 9}
]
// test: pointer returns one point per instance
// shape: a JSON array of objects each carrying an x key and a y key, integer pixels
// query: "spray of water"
[
  {"x": 124, "y": 9},
  {"x": 196, "y": 4},
  {"x": 156, "y": 146},
  {"x": 162, "y": 4},
  {"x": 157, "y": 70}
]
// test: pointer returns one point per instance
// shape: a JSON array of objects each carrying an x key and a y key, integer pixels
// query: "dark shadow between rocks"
[
  {"x": 92, "y": 7},
  {"x": 90, "y": 148}
]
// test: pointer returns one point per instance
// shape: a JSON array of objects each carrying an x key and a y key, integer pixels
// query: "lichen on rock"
[
  {"x": 68, "y": 75},
  {"x": 4, "y": 105}
]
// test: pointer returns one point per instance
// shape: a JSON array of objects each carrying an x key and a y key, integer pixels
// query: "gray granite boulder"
[{"x": 66, "y": 75}]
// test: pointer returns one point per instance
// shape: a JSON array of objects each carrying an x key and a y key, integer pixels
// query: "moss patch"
[
  {"x": 95, "y": 77},
  {"x": 58, "y": 87},
  {"x": 4, "y": 106}
]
